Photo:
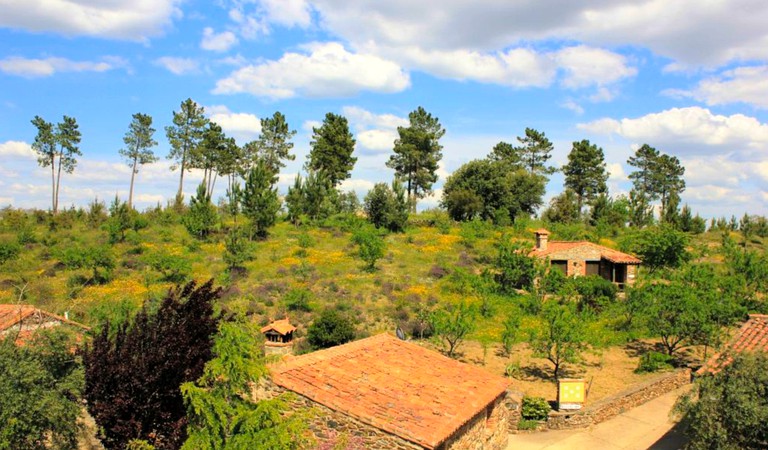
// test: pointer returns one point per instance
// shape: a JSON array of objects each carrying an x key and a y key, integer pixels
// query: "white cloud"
[
  {"x": 580, "y": 66},
  {"x": 375, "y": 132},
  {"x": 34, "y": 68},
  {"x": 688, "y": 31},
  {"x": 357, "y": 185},
  {"x": 217, "y": 42},
  {"x": 691, "y": 130},
  {"x": 308, "y": 125},
  {"x": 587, "y": 66},
  {"x": 571, "y": 105},
  {"x": 377, "y": 140},
  {"x": 17, "y": 149},
  {"x": 363, "y": 119},
  {"x": 288, "y": 13},
  {"x": 255, "y": 17},
  {"x": 178, "y": 66},
  {"x": 243, "y": 127},
  {"x": 616, "y": 172},
  {"x": 323, "y": 70},
  {"x": 741, "y": 85},
  {"x": 135, "y": 20}
]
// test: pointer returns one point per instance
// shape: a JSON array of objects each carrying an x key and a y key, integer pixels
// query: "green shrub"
[
  {"x": 330, "y": 329},
  {"x": 9, "y": 250},
  {"x": 371, "y": 246},
  {"x": 525, "y": 424},
  {"x": 535, "y": 408},
  {"x": 173, "y": 268},
  {"x": 298, "y": 300},
  {"x": 653, "y": 362},
  {"x": 596, "y": 292}
]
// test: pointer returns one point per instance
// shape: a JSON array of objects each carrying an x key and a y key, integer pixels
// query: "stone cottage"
[
  {"x": 579, "y": 258},
  {"x": 26, "y": 319},
  {"x": 751, "y": 337},
  {"x": 395, "y": 395}
]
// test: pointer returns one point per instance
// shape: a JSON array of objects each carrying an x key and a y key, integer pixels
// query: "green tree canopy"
[
  {"x": 331, "y": 149},
  {"x": 729, "y": 410},
  {"x": 184, "y": 136},
  {"x": 273, "y": 145},
  {"x": 585, "y": 173},
  {"x": 560, "y": 338},
  {"x": 534, "y": 151},
  {"x": 138, "y": 140},
  {"x": 491, "y": 190},
  {"x": 202, "y": 216},
  {"x": 259, "y": 200},
  {"x": 417, "y": 153},
  {"x": 221, "y": 414},
  {"x": 453, "y": 322},
  {"x": 40, "y": 388},
  {"x": 330, "y": 329},
  {"x": 57, "y": 148}
]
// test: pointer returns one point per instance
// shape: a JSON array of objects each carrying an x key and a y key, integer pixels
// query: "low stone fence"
[{"x": 614, "y": 405}]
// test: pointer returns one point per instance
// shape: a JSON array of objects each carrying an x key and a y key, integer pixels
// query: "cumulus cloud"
[
  {"x": 747, "y": 85},
  {"x": 243, "y": 127},
  {"x": 375, "y": 132},
  {"x": 587, "y": 66},
  {"x": 35, "y": 68},
  {"x": 217, "y": 42},
  {"x": 19, "y": 149},
  {"x": 135, "y": 20},
  {"x": 178, "y": 66},
  {"x": 688, "y": 31},
  {"x": 691, "y": 130},
  {"x": 322, "y": 70},
  {"x": 254, "y": 18}
]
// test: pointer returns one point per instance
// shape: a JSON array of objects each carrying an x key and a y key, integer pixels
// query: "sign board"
[{"x": 570, "y": 393}]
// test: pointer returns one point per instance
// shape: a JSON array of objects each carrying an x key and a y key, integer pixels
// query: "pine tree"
[
  {"x": 58, "y": 149},
  {"x": 417, "y": 153},
  {"x": 138, "y": 143},
  {"x": 259, "y": 200},
  {"x": 585, "y": 173},
  {"x": 331, "y": 149},
  {"x": 184, "y": 136},
  {"x": 273, "y": 145},
  {"x": 201, "y": 218},
  {"x": 534, "y": 152}
]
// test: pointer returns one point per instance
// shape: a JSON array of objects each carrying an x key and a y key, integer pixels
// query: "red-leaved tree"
[{"x": 133, "y": 376}]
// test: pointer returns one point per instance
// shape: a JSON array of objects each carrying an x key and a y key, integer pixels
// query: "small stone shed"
[
  {"x": 397, "y": 395},
  {"x": 751, "y": 337},
  {"x": 26, "y": 319},
  {"x": 579, "y": 258},
  {"x": 278, "y": 336}
]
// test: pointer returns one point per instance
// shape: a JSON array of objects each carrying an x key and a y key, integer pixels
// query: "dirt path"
[{"x": 646, "y": 427}]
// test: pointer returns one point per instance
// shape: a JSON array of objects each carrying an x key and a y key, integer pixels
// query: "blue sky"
[{"x": 687, "y": 77}]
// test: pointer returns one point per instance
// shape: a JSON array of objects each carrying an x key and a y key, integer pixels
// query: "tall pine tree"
[
  {"x": 332, "y": 146},
  {"x": 138, "y": 141},
  {"x": 417, "y": 153}
]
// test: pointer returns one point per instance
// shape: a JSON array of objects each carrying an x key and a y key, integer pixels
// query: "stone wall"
[
  {"x": 612, "y": 406},
  {"x": 488, "y": 430}
]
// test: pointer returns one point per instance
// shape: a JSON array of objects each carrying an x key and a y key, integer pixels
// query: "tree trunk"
[
  {"x": 133, "y": 175},
  {"x": 53, "y": 184},
  {"x": 213, "y": 183},
  {"x": 181, "y": 178},
  {"x": 58, "y": 185}
]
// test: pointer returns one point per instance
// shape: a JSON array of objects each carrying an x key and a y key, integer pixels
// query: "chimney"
[{"x": 542, "y": 236}]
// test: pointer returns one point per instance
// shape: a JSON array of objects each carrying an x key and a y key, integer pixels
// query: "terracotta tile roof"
[
  {"x": 396, "y": 386},
  {"x": 615, "y": 256},
  {"x": 11, "y": 315},
  {"x": 282, "y": 326},
  {"x": 752, "y": 337},
  {"x": 542, "y": 231}
]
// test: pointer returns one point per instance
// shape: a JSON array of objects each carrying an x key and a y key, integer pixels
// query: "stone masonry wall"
[
  {"x": 488, "y": 430},
  {"x": 612, "y": 406}
]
